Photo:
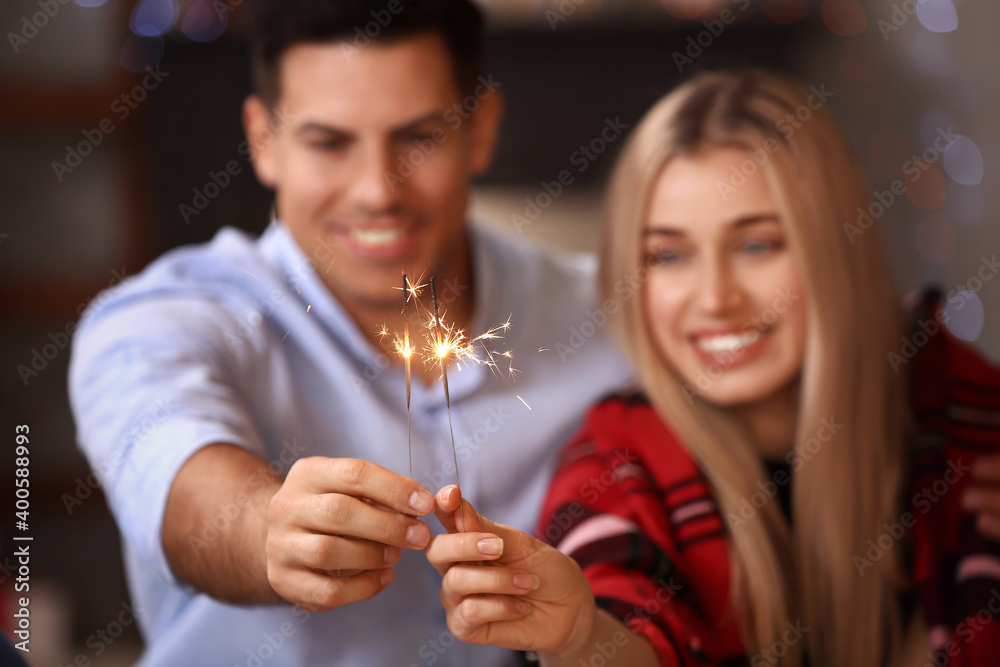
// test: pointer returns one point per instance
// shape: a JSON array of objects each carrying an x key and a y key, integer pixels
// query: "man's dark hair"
[{"x": 274, "y": 26}]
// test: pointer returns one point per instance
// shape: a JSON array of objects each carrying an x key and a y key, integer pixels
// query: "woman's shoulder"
[{"x": 625, "y": 428}]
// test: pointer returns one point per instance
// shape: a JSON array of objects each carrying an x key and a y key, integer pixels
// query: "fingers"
[
  {"x": 446, "y": 550},
  {"x": 472, "y": 613},
  {"x": 457, "y": 514},
  {"x": 338, "y": 514},
  {"x": 337, "y": 555},
  {"x": 317, "y": 592},
  {"x": 462, "y": 581},
  {"x": 363, "y": 479}
]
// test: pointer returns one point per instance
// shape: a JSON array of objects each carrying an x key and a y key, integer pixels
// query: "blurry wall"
[{"x": 97, "y": 158}]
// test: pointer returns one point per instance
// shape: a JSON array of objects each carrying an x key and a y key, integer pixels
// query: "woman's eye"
[
  {"x": 666, "y": 257},
  {"x": 759, "y": 247}
]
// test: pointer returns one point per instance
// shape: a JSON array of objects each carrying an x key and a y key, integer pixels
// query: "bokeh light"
[
  {"x": 928, "y": 190},
  {"x": 934, "y": 238},
  {"x": 931, "y": 54},
  {"x": 202, "y": 22},
  {"x": 963, "y": 161},
  {"x": 844, "y": 17},
  {"x": 152, "y": 18},
  {"x": 964, "y": 315},
  {"x": 138, "y": 53},
  {"x": 937, "y": 15}
]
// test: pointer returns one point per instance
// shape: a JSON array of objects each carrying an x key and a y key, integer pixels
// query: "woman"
[{"x": 785, "y": 487}]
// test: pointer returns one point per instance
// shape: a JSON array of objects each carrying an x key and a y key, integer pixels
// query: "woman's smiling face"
[{"x": 724, "y": 300}]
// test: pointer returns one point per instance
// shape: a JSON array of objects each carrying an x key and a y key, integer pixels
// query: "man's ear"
[
  {"x": 485, "y": 128},
  {"x": 260, "y": 136}
]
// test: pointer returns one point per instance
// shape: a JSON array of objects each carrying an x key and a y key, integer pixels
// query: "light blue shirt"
[{"x": 239, "y": 341}]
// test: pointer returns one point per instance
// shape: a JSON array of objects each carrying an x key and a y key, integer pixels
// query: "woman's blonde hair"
[{"x": 843, "y": 493}]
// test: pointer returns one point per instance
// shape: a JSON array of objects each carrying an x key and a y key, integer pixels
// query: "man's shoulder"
[{"x": 214, "y": 272}]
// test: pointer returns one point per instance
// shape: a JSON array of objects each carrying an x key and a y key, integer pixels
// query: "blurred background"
[{"x": 105, "y": 164}]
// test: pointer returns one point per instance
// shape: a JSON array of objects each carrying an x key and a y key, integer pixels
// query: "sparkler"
[
  {"x": 407, "y": 352},
  {"x": 442, "y": 353},
  {"x": 444, "y": 343}
]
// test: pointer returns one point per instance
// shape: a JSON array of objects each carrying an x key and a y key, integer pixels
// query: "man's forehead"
[{"x": 413, "y": 71}]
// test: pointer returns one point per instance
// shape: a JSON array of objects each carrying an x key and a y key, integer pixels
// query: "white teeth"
[
  {"x": 729, "y": 342},
  {"x": 376, "y": 236}
]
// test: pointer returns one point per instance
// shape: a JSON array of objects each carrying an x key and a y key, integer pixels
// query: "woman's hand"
[{"x": 504, "y": 588}]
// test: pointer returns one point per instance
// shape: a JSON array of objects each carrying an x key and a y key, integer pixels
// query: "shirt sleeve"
[
  {"x": 150, "y": 384},
  {"x": 603, "y": 510}
]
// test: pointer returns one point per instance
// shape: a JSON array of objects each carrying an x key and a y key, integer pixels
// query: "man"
[{"x": 252, "y": 421}]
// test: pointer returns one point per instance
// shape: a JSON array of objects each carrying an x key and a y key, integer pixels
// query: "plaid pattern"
[{"x": 631, "y": 507}]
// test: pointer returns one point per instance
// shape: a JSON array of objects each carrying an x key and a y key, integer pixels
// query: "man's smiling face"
[{"x": 374, "y": 167}]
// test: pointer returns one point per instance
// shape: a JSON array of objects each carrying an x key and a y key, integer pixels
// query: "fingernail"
[
  {"x": 421, "y": 502},
  {"x": 385, "y": 576},
  {"x": 417, "y": 535},
  {"x": 391, "y": 554},
  {"x": 490, "y": 546},
  {"x": 522, "y": 607},
  {"x": 527, "y": 582}
]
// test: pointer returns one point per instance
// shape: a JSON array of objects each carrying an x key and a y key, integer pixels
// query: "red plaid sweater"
[{"x": 631, "y": 507}]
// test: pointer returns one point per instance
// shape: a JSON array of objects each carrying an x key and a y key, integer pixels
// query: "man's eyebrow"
[
  {"x": 322, "y": 128},
  {"x": 666, "y": 230}
]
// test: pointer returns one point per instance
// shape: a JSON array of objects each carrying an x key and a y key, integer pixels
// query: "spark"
[
  {"x": 251, "y": 275},
  {"x": 285, "y": 336},
  {"x": 523, "y": 401},
  {"x": 308, "y": 308},
  {"x": 543, "y": 349},
  {"x": 443, "y": 350}
]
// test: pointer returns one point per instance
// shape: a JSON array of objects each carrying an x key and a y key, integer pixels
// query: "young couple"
[{"x": 775, "y": 489}]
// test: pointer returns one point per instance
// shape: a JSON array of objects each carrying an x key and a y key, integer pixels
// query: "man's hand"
[
  {"x": 983, "y": 496},
  {"x": 336, "y": 527},
  {"x": 327, "y": 535}
]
